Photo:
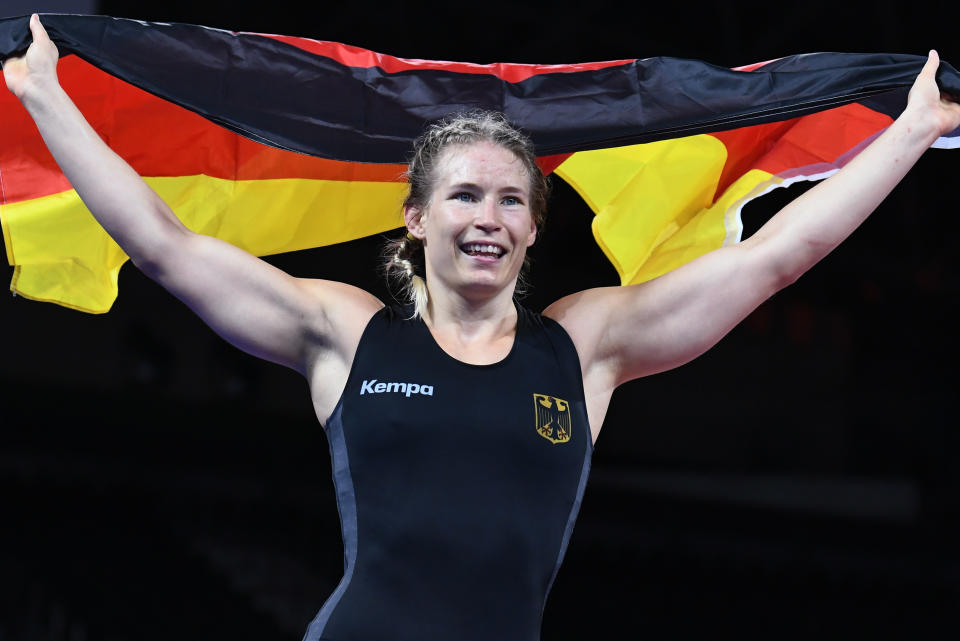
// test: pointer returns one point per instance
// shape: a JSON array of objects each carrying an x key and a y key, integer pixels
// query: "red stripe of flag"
[{"x": 364, "y": 58}]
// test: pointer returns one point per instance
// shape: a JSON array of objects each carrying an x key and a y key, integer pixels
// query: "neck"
[
  {"x": 474, "y": 330},
  {"x": 446, "y": 309}
]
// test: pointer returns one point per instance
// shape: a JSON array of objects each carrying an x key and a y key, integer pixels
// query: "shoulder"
[
  {"x": 545, "y": 334},
  {"x": 540, "y": 322},
  {"x": 583, "y": 316},
  {"x": 337, "y": 323},
  {"x": 340, "y": 300},
  {"x": 340, "y": 314},
  {"x": 586, "y": 318}
]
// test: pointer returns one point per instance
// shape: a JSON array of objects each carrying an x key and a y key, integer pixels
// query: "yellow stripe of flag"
[
  {"x": 654, "y": 203},
  {"x": 63, "y": 255}
]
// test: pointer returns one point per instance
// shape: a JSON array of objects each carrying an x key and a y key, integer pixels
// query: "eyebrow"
[{"x": 475, "y": 187}]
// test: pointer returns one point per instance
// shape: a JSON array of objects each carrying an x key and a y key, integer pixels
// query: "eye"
[
  {"x": 464, "y": 197},
  {"x": 511, "y": 201}
]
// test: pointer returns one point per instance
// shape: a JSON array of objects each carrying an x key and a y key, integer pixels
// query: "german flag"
[{"x": 277, "y": 143}]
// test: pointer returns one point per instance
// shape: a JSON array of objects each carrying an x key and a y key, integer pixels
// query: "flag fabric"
[{"x": 277, "y": 143}]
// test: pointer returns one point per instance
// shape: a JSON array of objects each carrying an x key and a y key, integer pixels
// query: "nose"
[{"x": 487, "y": 217}]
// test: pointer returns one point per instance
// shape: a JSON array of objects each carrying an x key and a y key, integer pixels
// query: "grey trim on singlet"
[
  {"x": 577, "y": 379},
  {"x": 347, "y": 507},
  {"x": 572, "y": 519}
]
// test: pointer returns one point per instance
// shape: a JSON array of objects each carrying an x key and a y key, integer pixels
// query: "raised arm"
[
  {"x": 623, "y": 333},
  {"x": 250, "y": 303}
]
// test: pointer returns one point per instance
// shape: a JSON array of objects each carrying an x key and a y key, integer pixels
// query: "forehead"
[{"x": 483, "y": 163}]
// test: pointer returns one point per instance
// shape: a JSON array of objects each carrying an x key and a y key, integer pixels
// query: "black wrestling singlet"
[{"x": 458, "y": 485}]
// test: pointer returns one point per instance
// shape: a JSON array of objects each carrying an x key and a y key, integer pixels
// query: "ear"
[
  {"x": 413, "y": 218},
  {"x": 532, "y": 237}
]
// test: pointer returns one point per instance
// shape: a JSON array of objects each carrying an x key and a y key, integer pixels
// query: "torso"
[{"x": 457, "y": 484}]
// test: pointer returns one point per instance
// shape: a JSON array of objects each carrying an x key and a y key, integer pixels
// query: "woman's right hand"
[{"x": 35, "y": 69}]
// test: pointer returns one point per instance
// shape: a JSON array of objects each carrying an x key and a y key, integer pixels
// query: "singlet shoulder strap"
[
  {"x": 393, "y": 333},
  {"x": 565, "y": 352}
]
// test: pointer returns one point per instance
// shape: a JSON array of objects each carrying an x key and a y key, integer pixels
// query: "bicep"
[
  {"x": 628, "y": 332},
  {"x": 252, "y": 304}
]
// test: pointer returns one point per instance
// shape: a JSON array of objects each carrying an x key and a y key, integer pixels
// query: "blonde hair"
[
  {"x": 404, "y": 268},
  {"x": 403, "y": 257}
]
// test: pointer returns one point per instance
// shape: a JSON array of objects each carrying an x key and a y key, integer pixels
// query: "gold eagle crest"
[{"x": 552, "y": 415}]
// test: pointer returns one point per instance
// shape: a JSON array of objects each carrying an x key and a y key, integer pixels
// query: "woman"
[{"x": 461, "y": 429}]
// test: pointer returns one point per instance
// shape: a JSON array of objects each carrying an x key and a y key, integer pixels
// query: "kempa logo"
[{"x": 373, "y": 387}]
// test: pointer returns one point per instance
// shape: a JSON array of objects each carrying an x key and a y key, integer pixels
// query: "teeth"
[{"x": 474, "y": 249}]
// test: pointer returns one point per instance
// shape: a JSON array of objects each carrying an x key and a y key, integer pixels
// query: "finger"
[
  {"x": 931, "y": 65},
  {"x": 37, "y": 30}
]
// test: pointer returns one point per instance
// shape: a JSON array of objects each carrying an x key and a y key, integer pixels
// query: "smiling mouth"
[{"x": 486, "y": 250}]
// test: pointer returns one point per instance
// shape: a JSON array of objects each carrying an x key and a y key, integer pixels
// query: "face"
[{"x": 478, "y": 224}]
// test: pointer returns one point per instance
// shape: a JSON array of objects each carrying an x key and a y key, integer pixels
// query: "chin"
[{"x": 488, "y": 287}]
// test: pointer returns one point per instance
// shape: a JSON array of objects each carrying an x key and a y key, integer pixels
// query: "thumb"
[
  {"x": 931, "y": 65},
  {"x": 37, "y": 30}
]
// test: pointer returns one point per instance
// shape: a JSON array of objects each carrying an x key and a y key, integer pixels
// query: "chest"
[{"x": 412, "y": 408}]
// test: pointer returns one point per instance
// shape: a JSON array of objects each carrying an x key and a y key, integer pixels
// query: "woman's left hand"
[{"x": 928, "y": 103}]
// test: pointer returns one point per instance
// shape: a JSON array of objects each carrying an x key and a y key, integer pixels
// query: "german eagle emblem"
[{"x": 552, "y": 415}]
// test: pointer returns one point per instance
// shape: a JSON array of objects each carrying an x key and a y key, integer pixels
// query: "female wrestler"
[{"x": 461, "y": 430}]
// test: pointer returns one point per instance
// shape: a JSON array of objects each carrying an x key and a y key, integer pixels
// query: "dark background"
[{"x": 799, "y": 481}]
